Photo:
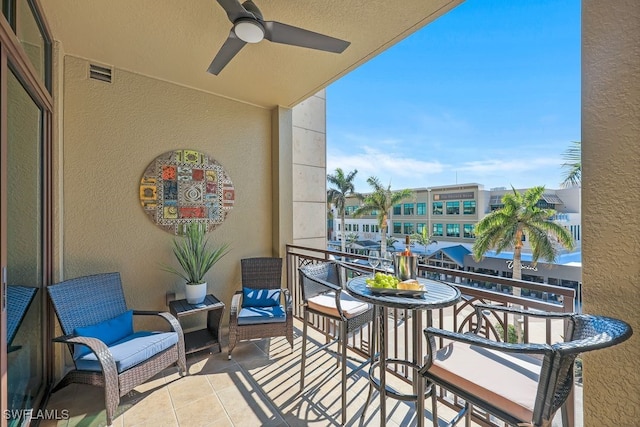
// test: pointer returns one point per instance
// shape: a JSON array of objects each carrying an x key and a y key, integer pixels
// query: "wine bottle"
[{"x": 407, "y": 246}]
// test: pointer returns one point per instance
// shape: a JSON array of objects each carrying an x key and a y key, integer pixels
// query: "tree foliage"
[
  {"x": 572, "y": 165},
  {"x": 343, "y": 187},
  {"x": 423, "y": 238},
  {"x": 504, "y": 229},
  {"x": 380, "y": 201}
]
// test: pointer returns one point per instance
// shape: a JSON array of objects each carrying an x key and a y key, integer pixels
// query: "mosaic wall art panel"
[{"x": 184, "y": 186}]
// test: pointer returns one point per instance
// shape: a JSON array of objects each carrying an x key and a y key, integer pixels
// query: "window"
[
  {"x": 365, "y": 228},
  {"x": 375, "y": 229},
  {"x": 408, "y": 228},
  {"x": 575, "y": 232},
  {"x": 469, "y": 231},
  {"x": 348, "y": 210},
  {"x": 453, "y": 208},
  {"x": 437, "y": 230},
  {"x": 421, "y": 209},
  {"x": 420, "y": 227},
  {"x": 469, "y": 207},
  {"x": 437, "y": 208},
  {"x": 397, "y": 227},
  {"x": 338, "y": 226},
  {"x": 453, "y": 230},
  {"x": 374, "y": 213},
  {"x": 397, "y": 210},
  {"x": 355, "y": 227},
  {"x": 408, "y": 208}
]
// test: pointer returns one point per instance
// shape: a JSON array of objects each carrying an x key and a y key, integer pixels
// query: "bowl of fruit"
[{"x": 389, "y": 284}]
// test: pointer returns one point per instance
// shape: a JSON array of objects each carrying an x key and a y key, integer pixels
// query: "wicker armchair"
[
  {"x": 323, "y": 295},
  {"x": 522, "y": 384},
  {"x": 93, "y": 300},
  {"x": 247, "y": 323},
  {"x": 19, "y": 299}
]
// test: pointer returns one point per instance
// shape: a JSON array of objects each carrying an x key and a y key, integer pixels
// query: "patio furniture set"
[{"x": 522, "y": 383}]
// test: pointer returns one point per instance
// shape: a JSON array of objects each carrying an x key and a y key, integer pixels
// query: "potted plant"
[{"x": 195, "y": 260}]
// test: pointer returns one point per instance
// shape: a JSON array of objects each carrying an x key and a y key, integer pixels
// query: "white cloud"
[
  {"x": 493, "y": 166},
  {"x": 398, "y": 169}
]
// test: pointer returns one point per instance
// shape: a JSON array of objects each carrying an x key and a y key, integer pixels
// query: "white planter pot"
[{"x": 195, "y": 293}]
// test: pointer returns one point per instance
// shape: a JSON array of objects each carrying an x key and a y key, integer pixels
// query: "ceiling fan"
[{"x": 250, "y": 27}]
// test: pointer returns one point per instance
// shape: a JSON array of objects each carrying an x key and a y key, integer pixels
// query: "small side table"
[{"x": 202, "y": 338}]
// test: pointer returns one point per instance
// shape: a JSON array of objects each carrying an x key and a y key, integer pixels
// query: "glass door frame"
[{"x": 13, "y": 59}]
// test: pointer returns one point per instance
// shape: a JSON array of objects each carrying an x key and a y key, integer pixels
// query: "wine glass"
[
  {"x": 385, "y": 261},
  {"x": 374, "y": 260}
]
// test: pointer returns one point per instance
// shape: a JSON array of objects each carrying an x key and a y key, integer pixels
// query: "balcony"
[{"x": 260, "y": 386}]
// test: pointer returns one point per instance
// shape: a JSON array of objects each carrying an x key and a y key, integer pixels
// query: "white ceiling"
[{"x": 175, "y": 40}]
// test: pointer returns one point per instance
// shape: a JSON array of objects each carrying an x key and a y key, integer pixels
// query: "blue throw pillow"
[
  {"x": 108, "y": 332},
  {"x": 260, "y": 297}
]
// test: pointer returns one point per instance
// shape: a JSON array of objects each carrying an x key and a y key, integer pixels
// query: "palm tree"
[
  {"x": 573, "y": 165},
  {"x": 505, "y": 228},
  {"x": 381, "y": 200},
  {"x": 351, "y": 238},
  {"x": 391, "y": 241},
  {"x": 343, "y": 188},
  {"x": 423, "y": 238}
]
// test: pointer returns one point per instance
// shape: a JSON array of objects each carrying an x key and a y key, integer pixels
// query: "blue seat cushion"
[
  {"x": 260, "y": 315},
  {"x": 260, "y": 297},
  {"x": 130, "y": 351},
  {"x": 108, "y": 331}
]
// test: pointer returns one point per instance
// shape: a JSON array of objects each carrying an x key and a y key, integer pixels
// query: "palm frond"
[
  {"x": 502, "y": 229},
  {"x": 572, "y": 165}
]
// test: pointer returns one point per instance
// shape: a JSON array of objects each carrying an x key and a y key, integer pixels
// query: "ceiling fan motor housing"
[{"x": 249, "y": 30}]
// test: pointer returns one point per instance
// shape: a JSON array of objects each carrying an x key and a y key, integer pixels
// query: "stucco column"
[
  {"x": 281, "y": 180},
  {"x": 310, "y": 172},
  {"x": 611, "y": 202},
  {"x": 298, "y": 149}
]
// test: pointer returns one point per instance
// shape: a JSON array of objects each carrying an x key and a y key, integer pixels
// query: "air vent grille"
[{"x": 98, "y": 72}]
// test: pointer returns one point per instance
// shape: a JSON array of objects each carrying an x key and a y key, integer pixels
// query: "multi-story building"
[{"x": 451, "y": 213}]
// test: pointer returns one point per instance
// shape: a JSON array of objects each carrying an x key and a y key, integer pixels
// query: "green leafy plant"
[
  {"x": 193, "y": 255},
  {"x": 512, "y": 335}
]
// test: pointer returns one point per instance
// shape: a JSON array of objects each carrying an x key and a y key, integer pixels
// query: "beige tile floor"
[{"x": 258, "y": 387}]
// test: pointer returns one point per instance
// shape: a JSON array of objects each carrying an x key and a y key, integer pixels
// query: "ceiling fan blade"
[
  {"x": 226, "y": 53},
  {"x": 235, "y": 10},
  {"x": 278, "y": 32}
]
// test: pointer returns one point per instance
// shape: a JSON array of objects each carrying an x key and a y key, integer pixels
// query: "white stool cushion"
[
  {"x": 326, "y": 303},
  {"x": 507, "y": 380}
]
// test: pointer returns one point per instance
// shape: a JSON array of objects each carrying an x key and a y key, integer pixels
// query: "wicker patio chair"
[
  {"x": 261, "y": 274},
  {"x": 19, "y": 299},
  {"x": 521, "y": 384},
  {"x": 324, "y": 294},
  {"x": 84, "y": 302}
]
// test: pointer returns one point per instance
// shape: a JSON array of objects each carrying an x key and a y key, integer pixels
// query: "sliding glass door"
[
  {"x": 25, "y": 299},
  {"x": 25, "y": 210}
]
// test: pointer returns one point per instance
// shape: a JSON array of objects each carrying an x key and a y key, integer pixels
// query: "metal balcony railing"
[{"x": 475, "y": 288}]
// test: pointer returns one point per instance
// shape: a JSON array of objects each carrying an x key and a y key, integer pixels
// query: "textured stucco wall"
[
  {"x": 111, "y": 132},
  {"x": 309, "y": 172},
  {"x": 611, "y": 203}
]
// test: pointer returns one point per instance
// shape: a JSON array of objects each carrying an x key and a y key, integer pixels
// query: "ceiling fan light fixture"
[{"x": 248, "y": 30}]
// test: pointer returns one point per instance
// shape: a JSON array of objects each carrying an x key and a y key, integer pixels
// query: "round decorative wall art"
[{"x": 184, "y": 186}]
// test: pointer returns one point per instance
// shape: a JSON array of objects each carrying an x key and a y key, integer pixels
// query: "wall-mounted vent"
[{"x": 98, "y": 72}]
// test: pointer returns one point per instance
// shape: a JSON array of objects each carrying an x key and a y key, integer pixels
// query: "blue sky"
[{"x": 488, "y": 93}]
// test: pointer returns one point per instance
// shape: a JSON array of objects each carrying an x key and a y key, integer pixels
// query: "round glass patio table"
[{"x": 437, "y": 295}]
